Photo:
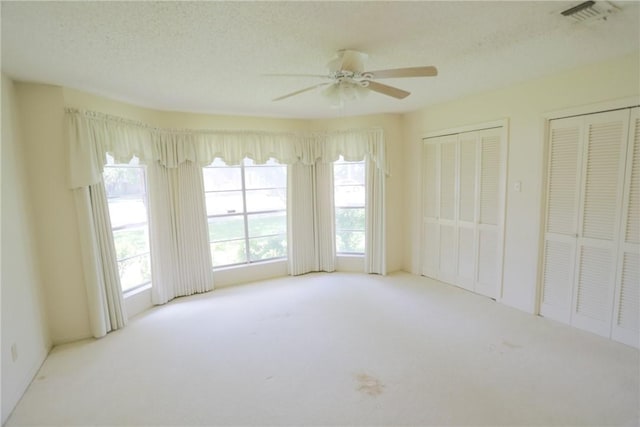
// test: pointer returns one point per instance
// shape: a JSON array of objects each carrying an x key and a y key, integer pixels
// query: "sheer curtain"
[
  {"x": 102, "y": 280},
  {"x": 178, "y": 232},
  {"x": 311, "y": 230}
]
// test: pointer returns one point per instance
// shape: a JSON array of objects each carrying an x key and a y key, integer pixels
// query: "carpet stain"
[
  {"x": 369, "y": 385},
  {"x": 510, "y": 344}
]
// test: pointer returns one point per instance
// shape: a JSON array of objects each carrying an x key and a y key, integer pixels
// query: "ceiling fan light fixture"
[{"x": 345, "y": 91}]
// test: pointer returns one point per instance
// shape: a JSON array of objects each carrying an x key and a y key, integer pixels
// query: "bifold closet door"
[
  {"x": 563, "y": 181},
  {"x": 468, "y": 155},
  {"x": 462, "y": 186},
  {"x": 585, "y": 185},
  {"x": 604, "y": 155},
  {"x": 489, "y": 235},
  {"x": 448, "y": 214},
  {"x": 626, "y": 315}
]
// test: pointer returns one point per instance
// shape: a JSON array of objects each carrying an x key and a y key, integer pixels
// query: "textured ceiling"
[{"x": 211, "y": 56}]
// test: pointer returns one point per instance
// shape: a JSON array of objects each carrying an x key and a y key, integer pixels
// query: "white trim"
[
  {"x": 464, "y": 129},
  {"x": 599, "y": 107},
  {"x": 502, "y": 203}
]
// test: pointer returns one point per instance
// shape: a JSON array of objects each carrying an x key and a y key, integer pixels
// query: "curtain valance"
[{"x": 92, "y": 134}]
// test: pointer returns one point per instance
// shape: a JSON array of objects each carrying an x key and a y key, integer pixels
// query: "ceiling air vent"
[{"x": 590, "y": 11}]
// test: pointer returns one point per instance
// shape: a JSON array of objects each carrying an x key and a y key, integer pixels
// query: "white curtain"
[
  {"x": 311, "y": 230},
  {"x": 99, "y": 262},
  {"x": 375, "y": 230},
  {"x": 92, "y": 134},
  {"x": 325, "y": 217},
  {"x": 301, "y": 229},
  {"x": 178, "y": 232}
]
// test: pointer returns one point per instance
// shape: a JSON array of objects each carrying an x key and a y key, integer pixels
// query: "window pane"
[
  {"x": 262, "y": 248},
  {"x": 228, "y": 253},
  {"x": 265, "y": 177},
  {"x": 227, "y": 202},
  {"x": 226, "y": 228},
  {"x": 135, "y": 271},
  {"x": 349, "y": 195},
  {"x": 125, "y": 186},
  {"x": 349, "y": 172},
  {"x": 124, "y": 211},
  {"x": 266, "y": 200},
  {"x": 350, "y": 219},
  {"x": 131, "y": 241},
  {"x": 267, "y": 224},
  {"x": 225, "y": 178},
  {"x": 123, "y": 181},
  {"x": 350, "y": 242}
]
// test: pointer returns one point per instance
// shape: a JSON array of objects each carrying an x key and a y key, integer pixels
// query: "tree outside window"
[
  {"x": 247, "y": 211},
  {"x": 349, "y": 200}
]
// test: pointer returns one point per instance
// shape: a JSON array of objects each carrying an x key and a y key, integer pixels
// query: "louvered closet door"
[
  {"x": 431, "y": 208},
  {"x": 563, "y": 183},
  {"x": 489, "y": 234},
  {"x": 604, "y": 154},
  {"x": 447, "y": 215},
  {"x": 467, "y": 189},
  {"x": 626, "y": 315}
]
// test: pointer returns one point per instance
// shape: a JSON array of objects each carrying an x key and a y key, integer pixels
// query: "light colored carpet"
[{"x": 337, "y": 349}]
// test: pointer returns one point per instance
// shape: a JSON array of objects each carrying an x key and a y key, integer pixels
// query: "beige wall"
[
  {"x": 23, "y": 313},
  {"x": 525, "y": 106}
]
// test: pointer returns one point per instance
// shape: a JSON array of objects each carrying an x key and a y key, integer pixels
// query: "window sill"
[
  {"x": 347, "y": 255},
  {"x": 251, "y": 264},
  {"x": 136, "y": 291}
]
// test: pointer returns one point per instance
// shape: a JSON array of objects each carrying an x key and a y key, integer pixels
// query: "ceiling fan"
[{"x": 347, "y": 78}]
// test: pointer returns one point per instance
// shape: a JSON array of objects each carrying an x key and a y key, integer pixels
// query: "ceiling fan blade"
[
  {"x": 405, "y": 72},
  {"x": 388, "y": 90},
  {"x": 325, "y": 76},
  {"x": 299, "y": 91}
]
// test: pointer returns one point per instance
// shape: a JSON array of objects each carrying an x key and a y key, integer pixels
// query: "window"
[
  {"x": 349, "y": 194},
  {"x": 126, "y": 189},
  {"x": 247, "y": 211}
]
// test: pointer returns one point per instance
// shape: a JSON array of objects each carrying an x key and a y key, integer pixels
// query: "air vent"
[{"x": 590, "y": 11}]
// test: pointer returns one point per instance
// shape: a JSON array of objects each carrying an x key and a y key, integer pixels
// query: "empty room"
[{"x": 320, "y": 213}]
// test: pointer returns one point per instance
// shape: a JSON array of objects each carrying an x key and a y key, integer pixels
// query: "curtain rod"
[{"x": 109, "y": 117}]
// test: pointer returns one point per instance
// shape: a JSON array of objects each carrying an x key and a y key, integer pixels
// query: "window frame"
[
  {"x": 337, "y": 207},
  {"x": 246, "y": 214}
]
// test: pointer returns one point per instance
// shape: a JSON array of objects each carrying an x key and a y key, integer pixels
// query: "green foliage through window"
[
  {"x": 126, "y": 196},
  {"x": 246, "y": 207},
  {"x": 349, "y": 199}
]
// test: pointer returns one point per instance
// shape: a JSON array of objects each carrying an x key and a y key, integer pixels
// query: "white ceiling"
[{"x": 211, "y": 56}]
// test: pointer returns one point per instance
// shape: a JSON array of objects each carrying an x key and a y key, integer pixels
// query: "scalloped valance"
[{"x": 91, "y": 135}]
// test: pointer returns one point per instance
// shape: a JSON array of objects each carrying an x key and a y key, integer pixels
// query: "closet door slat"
[
  {"x": 626, "y": 325},
  {"x": 604, "y": 159}
]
